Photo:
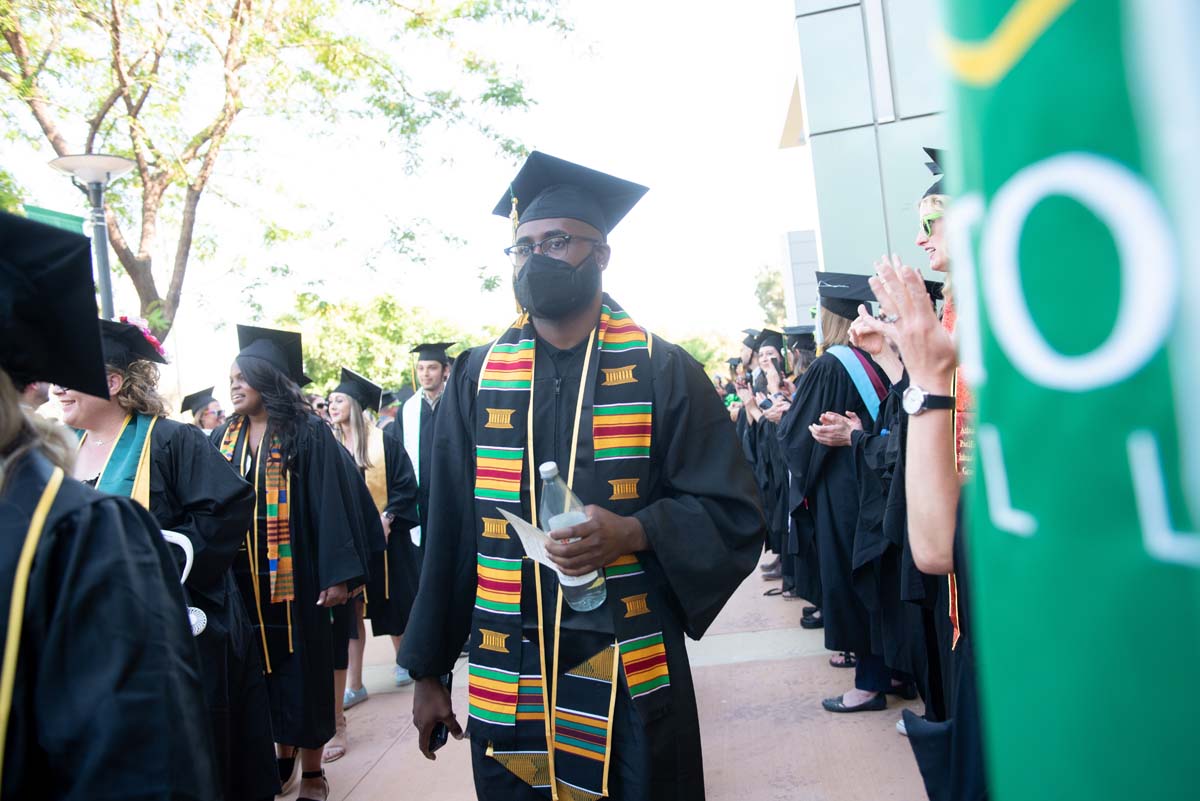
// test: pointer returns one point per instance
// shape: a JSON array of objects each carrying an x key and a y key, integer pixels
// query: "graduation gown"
[
  {"x": 393, "y": 584},
  {"x": 108, "y": 700},
  {"x": 950, "y": 753},
  {"x": 424, "y": 455},
  {"x": 331, "y": 535},
  {"x": 195, "y": 492},
  {"x": 826, "y": 482},
  {"x": 702, "y": 520}
]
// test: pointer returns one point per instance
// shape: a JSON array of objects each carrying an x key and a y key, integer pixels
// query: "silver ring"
[{"x": 891, "y": 318}]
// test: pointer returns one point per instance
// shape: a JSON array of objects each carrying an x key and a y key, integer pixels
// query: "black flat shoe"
[
  {"x": 907, "y": 691},
  {"x": 809, "y": 611},
  {"x": 812, "y": 622},
  {"x": 879, "y": 702},
  {"x": 315, "y": 774},
  {"x": 848, "y": 661}
]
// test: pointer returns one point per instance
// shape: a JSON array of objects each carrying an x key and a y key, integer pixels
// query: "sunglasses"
[{"x": 927, "y": 222}]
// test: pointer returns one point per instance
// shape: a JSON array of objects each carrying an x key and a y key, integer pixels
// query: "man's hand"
[
  {"x": 431, "y": 706},
  {"x": 926, "y": 347},
  {"x": 600, "y": 540},
  {"x": 386, "y": 521},
  {"x": 834, "y": 430},
  {"x": 334, "y": 596}
]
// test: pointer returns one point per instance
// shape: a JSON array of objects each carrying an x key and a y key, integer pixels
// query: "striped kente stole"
[
  {"x": 279, "y": 533},
  {"x": 556, "y": 736}
]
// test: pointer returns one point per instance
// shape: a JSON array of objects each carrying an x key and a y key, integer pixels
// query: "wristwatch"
[{"x": 918, "y": 401}]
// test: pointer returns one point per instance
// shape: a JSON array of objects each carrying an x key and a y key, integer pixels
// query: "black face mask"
[{"x": 553, "y": 289}]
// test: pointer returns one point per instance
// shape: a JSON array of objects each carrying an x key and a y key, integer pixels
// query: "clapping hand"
[{"x": 834, "y": 430}]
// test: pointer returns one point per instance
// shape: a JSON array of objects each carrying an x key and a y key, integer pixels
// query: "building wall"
[
  {"x": 800, "y": 283},
  {"x": 872, "y": 98}
]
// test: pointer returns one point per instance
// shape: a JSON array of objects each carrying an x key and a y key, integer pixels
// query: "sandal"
[
  {"x": 335, "y": 749},
  {"x": 315, "y": 774},
  {"x": 848, "y": 660},
  {"x": 287, "y": 770},
  {"x": 906, "y": 690},
  {"x": 774, "y": 591}
]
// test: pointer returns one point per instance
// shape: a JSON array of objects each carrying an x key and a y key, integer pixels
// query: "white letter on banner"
[
  {"x": 1161, "y": 539},
  {"x": 965, "y": 213},
  {"x": 999, "y": 501},
  {"x": 1149, "y": 271}
]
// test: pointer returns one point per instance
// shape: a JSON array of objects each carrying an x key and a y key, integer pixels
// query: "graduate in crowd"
[
  {"x": 101, "y": 694},
  {"x": 825, "y": 502},
  {"x": 596, "y": 703},
  {"x": 307, "y": 547},
  {"x": 388, "y": 596},
  {"x": 206, "y": 410},
  {"x": 415, "y": 432},
  {"x": 389, "y": 406},
  {"x": 34, "y": 395},
  {"x": 128, "y": 447}
]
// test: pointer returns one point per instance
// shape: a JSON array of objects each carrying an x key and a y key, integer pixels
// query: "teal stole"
[
  {"x": 557, "y": 737},
  {"x": 126, "y": 472}
]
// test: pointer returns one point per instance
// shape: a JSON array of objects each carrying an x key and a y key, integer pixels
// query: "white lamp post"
[{"x": 93, "y": 172}]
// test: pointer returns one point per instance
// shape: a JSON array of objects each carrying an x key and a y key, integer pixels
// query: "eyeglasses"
[
  {"x": 927, "y": 222},
  {"x": 320, "y": 406},
  {"x": 552, "y": 246}
]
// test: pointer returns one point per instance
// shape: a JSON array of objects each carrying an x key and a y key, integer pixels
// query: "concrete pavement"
[{"x": 759, "y": 681}]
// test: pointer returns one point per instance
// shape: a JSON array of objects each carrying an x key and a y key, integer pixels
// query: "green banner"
[
  {"x": 58, "y": 219},
  {"x": 1075, "y": 128}
]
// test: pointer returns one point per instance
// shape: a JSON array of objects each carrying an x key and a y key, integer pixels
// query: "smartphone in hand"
[{"x": 441, "y": 732}]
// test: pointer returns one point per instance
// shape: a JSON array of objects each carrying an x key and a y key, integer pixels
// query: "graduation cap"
[
  {"x": 751, "y": 340},
  {"x": 404, "y": 393},
  {"x": 734, "y": 362},
  {"x": 841, "y": 293},
  {"x": 280, "y": 349},
  {"x": 48, "y": 322},
  {"x": 547, "y": 188},
  {"x": 197, "y": 401},
  {"x": 801, "y": 336},
  {"x": 126, "y": 343},
  {"x": 366, "y": 392},
  {"x": 770, "y": 336},
  {"x": 387, "y": 399},
  {"x": 433, "y": 352},
  {"x": 935, "y": 168}
]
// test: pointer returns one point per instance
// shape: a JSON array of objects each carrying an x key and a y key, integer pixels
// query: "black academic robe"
[
  {"x": 108, "y": 700},
  {"x": 827, "y": 484},
  {"x": 950, "y": 754},
  {"x": 195, "y": 492},
  {"x": 390, "y": 598},
  {"x": 331, "y": 536},
  {"x": 702, "y": 520},
  {"x": 429, "y": 417}
]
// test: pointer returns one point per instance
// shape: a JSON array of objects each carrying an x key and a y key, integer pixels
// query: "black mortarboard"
[
  {"x": 126, "y": 343},
  {"x": 547, "y": 187},
  {"x": 770, "y": 336},
  {"x": 801, "y": 336},
  {"x": 280, "y": 349},
  {"x": 404, "y": 393},
  {"x": 387, "y": 399},
  {"x": 432, "y": 352},
  {"x": 935, "y": 168},
  {"x": 48, "y": 329},
  {"x": 734, "y": 362},
  {"x": 197, "y": 401},
  {"x": 841, "y": 293},
  {"x": 366, "y": 392},
  {"x": 751, "y": 340}
]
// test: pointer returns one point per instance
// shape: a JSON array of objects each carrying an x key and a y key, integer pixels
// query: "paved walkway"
[{"x": 759, "y": 681}]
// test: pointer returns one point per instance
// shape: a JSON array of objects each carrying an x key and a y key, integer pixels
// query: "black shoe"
[
  {"x": 315, "y": 774},
  {"x": 907, "y": 690},
  {"x": 879, "y": 702},
  {"x": 809, "y": 611},
  {"x": 812, "y": 622},
  {"x": 849, "y": 660}
]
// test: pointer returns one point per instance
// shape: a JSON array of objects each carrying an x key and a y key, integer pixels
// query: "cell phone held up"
[{"x": 441, "y": 732}]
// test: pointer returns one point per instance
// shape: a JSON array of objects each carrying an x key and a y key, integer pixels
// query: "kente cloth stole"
[
  {"x": 279, "y": 532},
  {"x": 126, "y": 471},
  {"x": 509, "y": 701}
]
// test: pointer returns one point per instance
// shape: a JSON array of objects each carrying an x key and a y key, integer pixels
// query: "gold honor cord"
[
  {"x": 252, "y": 548},
  {"x": 16, "y": 609}
]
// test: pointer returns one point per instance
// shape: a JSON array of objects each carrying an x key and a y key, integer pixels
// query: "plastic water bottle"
[{"x": 561, "y": 509}]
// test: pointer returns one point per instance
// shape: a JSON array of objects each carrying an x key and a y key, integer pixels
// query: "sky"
[{"x": 688, "y": 98}]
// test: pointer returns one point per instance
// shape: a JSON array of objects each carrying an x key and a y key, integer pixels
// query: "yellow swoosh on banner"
[{"x": 984, "y": 63}]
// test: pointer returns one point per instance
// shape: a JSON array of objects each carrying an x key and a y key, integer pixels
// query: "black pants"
[{"x": 628, "y": 775}]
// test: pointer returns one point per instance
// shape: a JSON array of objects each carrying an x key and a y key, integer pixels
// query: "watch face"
[{"x": 914, "y": 399}]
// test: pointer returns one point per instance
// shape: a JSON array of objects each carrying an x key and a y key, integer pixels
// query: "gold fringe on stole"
[
  {"x": 612, "y": 705},
  {"x": 16, "y": 608}
]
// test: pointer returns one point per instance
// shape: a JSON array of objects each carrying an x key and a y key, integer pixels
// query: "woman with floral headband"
[{"x": 128, "y": 447}]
